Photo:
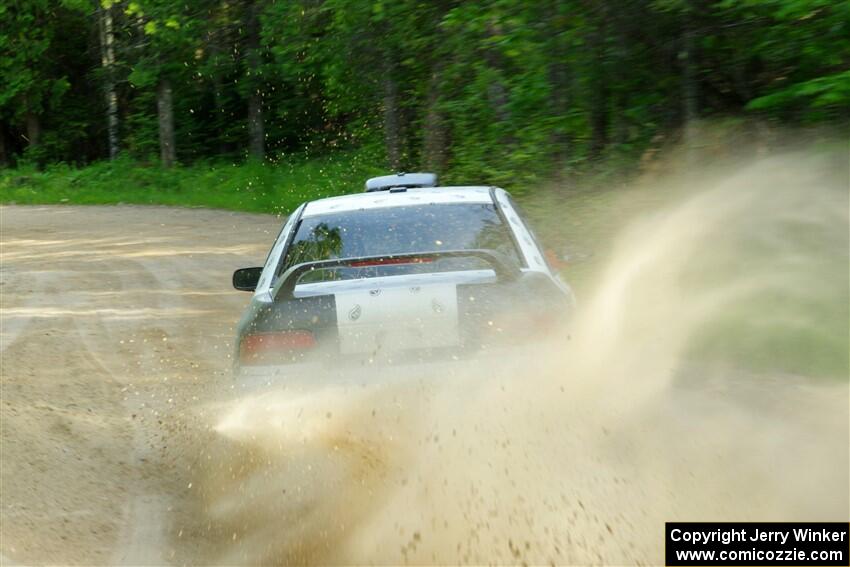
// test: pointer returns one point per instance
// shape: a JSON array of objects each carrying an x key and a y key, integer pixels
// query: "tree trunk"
[
  {"x": 218, "y": 100},
  {"x": 559, "y": 83},
  {"x": 392, "y": 123},
  {"x": 690, "y": 92},
  {"x": 219, "y": 114},
  {"x": 435, "y": 128},
  {"x": 107, "y": 57},
  {"x": 599, "y": 117},
  {"x": 33, "y": 129},
  {"x": 165, "y": 114},
  {"x": 4, "y": 154},
  {"x": 599, "y": 120},
  {"x": 256, "y": 125},
  {"x": 621, "y": 99},
  {"x": 497, "y": 93}
]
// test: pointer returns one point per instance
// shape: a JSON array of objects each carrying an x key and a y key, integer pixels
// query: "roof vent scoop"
[{"x": 401, "y": 180}]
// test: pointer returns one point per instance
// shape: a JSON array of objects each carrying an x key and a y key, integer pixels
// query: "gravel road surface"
[{"x": 116, "y": 322}]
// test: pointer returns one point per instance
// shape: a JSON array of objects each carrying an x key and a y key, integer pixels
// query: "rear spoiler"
[
  {"x": 401, "y": 180},
  {"x": 505, "y": 269}
]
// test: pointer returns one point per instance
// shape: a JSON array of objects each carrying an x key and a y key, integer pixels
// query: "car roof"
[{"x": 408, "y": 197}]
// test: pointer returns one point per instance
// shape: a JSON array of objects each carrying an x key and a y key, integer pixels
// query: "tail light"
[
  {"x": 391, "y": 262},
  {"x": 266, "y": 348}
]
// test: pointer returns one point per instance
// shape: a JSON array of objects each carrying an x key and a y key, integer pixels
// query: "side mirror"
[{"x": 246, "y": 279}]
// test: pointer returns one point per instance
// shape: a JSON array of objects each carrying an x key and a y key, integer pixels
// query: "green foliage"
[
  {"x": 498, "y": 91},
  {"x": 39, "y": 79},
  {"x": 251, "y": 186},
  {"x": 802, "y": 48},
  {"x": 822, "y": 92}
]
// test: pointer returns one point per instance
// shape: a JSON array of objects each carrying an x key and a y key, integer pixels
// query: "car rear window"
[{"x": 400, "y": 230}]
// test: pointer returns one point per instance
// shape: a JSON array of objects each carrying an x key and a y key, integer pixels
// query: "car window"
[
  {"x": 274, "y": 252},
  {"x": 400, "y": 230}
]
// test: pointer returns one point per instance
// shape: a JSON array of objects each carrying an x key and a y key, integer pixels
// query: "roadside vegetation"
[
  {"x": 249, "y": 186},
  {"x": 503, "y": 92}
]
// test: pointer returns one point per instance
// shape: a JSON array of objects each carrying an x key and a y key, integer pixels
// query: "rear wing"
[
  {"x": 401, "y": 181},
  {"x": 505, "y": 269}
]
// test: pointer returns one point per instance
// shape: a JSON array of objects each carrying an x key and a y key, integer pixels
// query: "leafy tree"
[
  {"x": 497, "y": 91},
  {"x": 32, "y": 80}
]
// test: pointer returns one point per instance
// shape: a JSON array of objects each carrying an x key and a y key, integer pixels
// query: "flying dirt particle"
[{"x": 646, "y": 431}]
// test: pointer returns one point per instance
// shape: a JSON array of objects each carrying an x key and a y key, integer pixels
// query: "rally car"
[{"x": 406, "y": 270}]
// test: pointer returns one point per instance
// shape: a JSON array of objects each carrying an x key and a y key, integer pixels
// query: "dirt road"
[
  {"x": 115, "y": 321},
  {"x": 123, "y": 441}
]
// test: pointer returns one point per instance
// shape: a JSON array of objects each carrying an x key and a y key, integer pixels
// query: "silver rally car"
[{"x": 405, "y": 271}]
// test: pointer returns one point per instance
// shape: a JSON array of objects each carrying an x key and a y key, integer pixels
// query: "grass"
[{"x": 254, "y": 187}]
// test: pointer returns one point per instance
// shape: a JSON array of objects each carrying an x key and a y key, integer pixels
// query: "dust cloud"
[{"x": 705, "y": 378}]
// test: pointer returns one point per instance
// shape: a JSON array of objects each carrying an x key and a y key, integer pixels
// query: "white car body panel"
[
  {"x": 524, "y": 239},
  {"x": 386, "y": 320},
  {"x": 382, "y": 199}
]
